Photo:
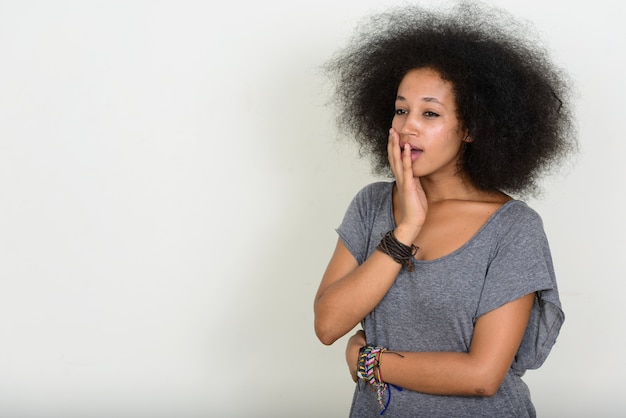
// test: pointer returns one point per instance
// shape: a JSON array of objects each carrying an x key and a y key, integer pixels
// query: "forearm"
[
  {"x": 441, "y": 373},
  {"x": 341, "y": 306},
  {"x": 479, "y": 372}
]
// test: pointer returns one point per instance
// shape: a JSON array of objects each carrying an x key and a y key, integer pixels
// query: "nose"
[{"x": 409, "y": 125}]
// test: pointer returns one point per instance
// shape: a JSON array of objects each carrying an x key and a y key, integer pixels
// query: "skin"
[{"x": 438, "y": 209}]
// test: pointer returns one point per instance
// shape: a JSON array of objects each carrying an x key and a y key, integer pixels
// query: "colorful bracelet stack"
[{"x": 368, "y": 369}]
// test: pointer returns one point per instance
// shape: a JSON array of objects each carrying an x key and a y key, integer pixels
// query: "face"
[{"x": 426, "y": 119}]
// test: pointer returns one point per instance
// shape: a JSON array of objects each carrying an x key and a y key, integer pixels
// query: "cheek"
[{"x": 454, "y": 138}]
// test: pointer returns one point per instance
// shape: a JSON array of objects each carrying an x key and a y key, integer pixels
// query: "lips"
[{"x": 415, "y": 151}]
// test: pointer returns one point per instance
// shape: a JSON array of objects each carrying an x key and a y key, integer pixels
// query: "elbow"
[
  {"x": 325, "y": 326},
  {"x": 487, "y": 386},
  {"x": 324, "y": 333},
  {"x": 486, "y": 391},
  {"x": 326, "y": 340}
]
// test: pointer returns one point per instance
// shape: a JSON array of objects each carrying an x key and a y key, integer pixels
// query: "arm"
[
  {"x": 348, "y": 292},
  {"x": 479, "y": 372}
]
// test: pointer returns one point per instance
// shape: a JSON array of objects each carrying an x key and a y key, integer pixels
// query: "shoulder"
[
  {"x": 374, "y": 193},
  {"x": 517, "y": 212},
  {"x": 519, "y": 224},
  {"x": 377, "y": 188},
  {"x": 369, "y": 202}
]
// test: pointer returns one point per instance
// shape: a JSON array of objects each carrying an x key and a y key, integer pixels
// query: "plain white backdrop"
[{"x": 170, "y": 181}]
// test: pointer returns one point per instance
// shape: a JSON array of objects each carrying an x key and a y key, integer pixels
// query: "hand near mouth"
[{"x": 411, "y": 196}]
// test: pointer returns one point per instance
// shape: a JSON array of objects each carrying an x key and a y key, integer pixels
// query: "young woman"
[{"x": 449, "y": 274}]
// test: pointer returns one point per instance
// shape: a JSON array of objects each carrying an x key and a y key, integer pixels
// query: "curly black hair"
[{"x": 510, "y": 96}]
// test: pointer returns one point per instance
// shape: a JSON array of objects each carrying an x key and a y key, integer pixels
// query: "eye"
[
  {"x": 430, "y": 114},
  {"x": 400, "y": 112}
]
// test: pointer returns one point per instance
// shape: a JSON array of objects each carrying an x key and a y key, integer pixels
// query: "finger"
[
  {"x": 390, "y": 150},
  {"x": 407, "y": 165},
  {"x": 394, "y": 153},
  {"x": 361, "y": 334}
]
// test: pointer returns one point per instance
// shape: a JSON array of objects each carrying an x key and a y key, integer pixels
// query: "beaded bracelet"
[{"x": 401, "y": 253}]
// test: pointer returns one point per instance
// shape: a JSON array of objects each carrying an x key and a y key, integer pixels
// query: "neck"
[{"x": 457, "y": 187}]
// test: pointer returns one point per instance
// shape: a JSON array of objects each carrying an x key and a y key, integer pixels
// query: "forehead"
[{"x": 425, "y": 82}]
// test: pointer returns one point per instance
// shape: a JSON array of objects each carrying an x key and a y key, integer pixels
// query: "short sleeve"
[
  {"x": 522, "y": 264},
  {"x": 356, "y": 227}
]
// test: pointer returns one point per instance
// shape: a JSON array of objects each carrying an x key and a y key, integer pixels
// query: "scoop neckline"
[{"x": 462, "y": 247}]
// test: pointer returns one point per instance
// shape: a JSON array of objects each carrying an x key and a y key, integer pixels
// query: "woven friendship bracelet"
[
  {"x": 401, "y": 253},
  {"x": 368, "y": 362},
  {"x": 368, "y": 369}
]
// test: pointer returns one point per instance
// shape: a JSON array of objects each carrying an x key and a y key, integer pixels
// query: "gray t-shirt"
[{"x": 435, "y": 307}]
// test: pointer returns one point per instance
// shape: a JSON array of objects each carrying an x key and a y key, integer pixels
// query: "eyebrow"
[{"x": 426, "y": 99}]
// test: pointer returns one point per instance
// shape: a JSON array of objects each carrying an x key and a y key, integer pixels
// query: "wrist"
[
  {"x": 406, "y": 234},
  {"x": 400, "y": 253}
]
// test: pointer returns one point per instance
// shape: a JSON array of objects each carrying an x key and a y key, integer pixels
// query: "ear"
[{"x": 468, "y": 138}]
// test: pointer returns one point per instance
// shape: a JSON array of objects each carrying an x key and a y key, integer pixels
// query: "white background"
[{"x": 170, "y": 181}]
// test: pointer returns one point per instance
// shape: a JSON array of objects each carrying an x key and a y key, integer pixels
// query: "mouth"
[{"x": 415, "y": 151}]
